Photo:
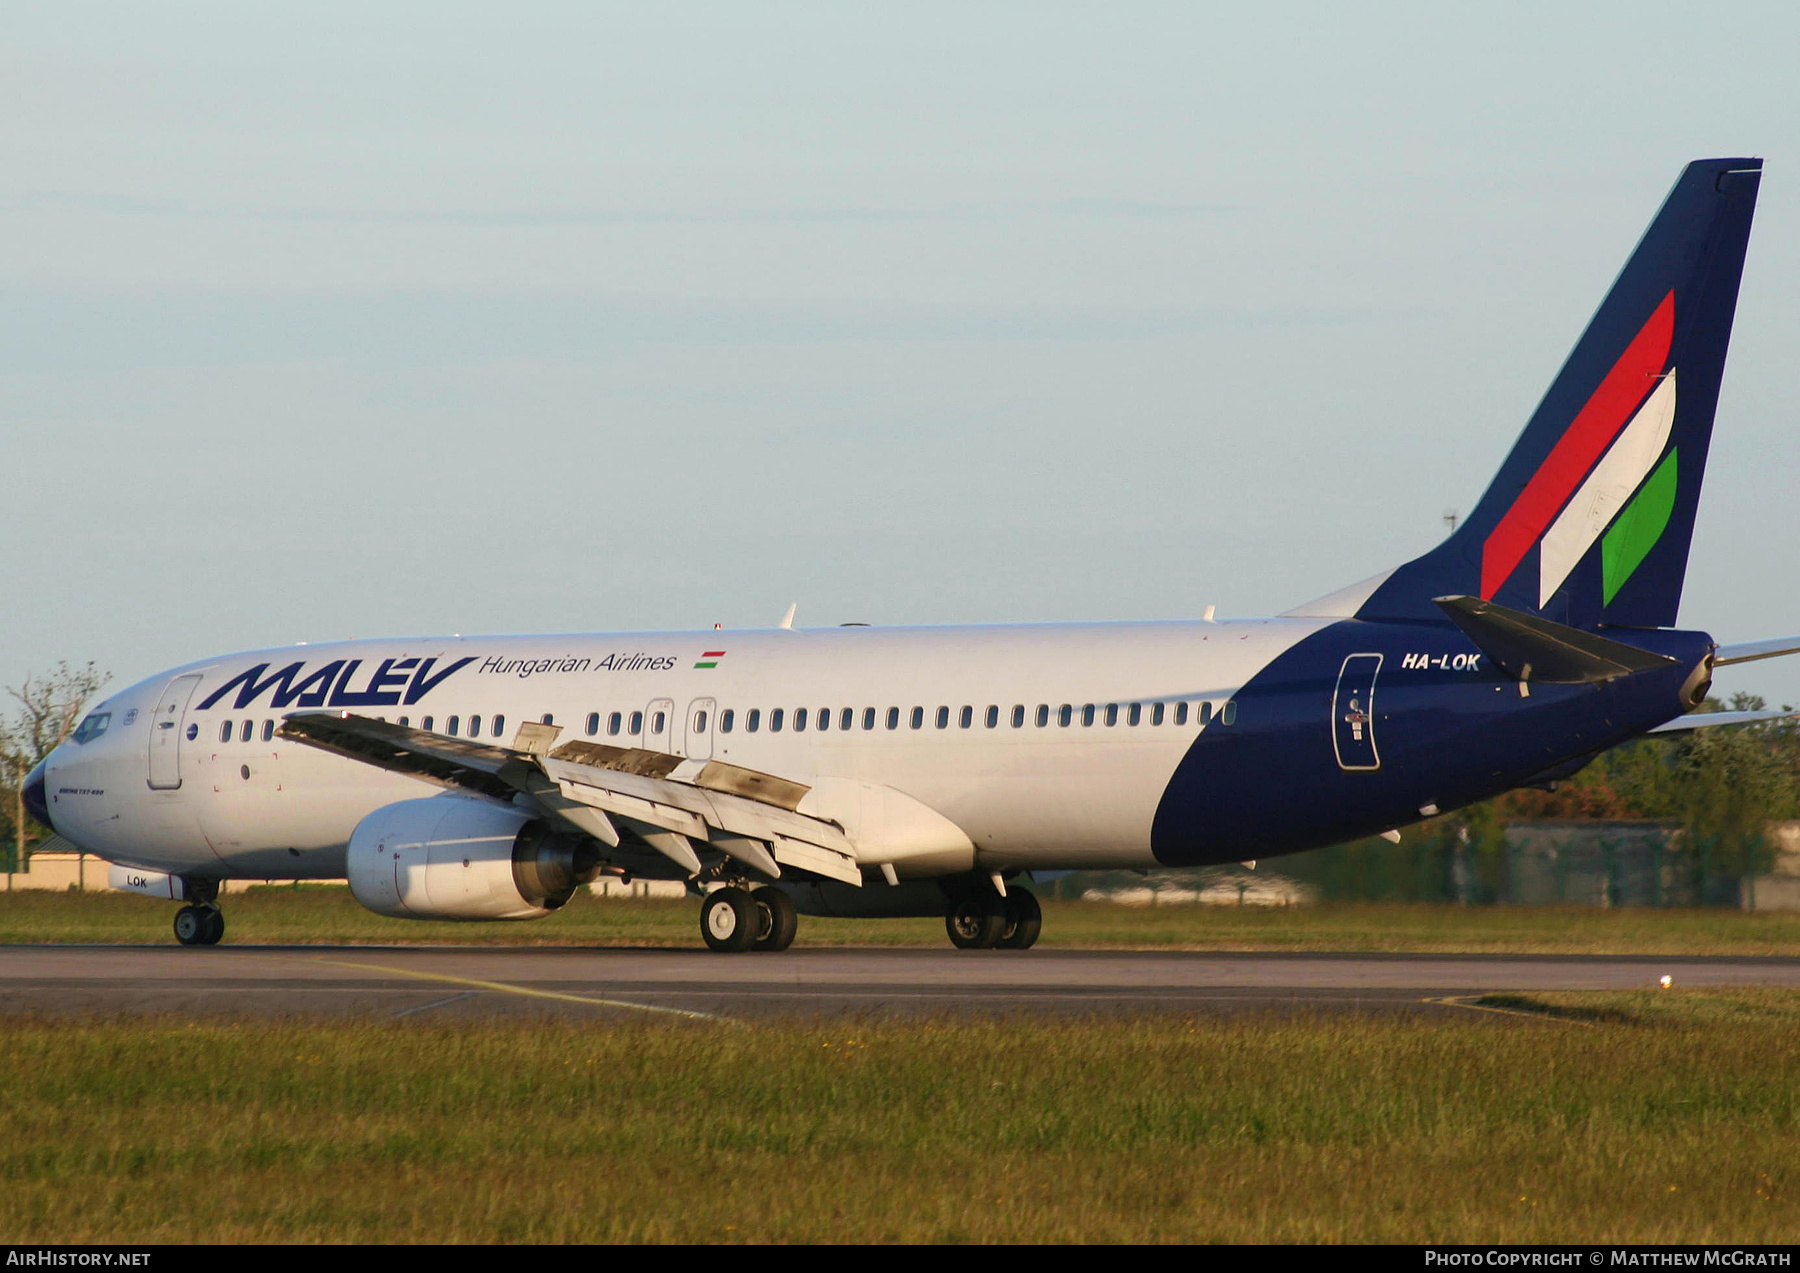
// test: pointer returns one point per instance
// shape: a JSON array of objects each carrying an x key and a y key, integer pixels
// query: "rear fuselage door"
[
  {"x": 1353, "y": 713},
  {"x": 167, "y": 726}
]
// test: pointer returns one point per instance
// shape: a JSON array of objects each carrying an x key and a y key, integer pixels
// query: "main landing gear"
[
  {"x": 734, "y": 919},
  {"x": 990, "y": 922},
  {"x": 203, "y": 923}
]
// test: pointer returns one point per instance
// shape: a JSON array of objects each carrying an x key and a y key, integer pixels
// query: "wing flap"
[
  {"x": 589, "y": 784},
  {"x": 714, "y": 775},
  {"x": 820, "y": 861}
]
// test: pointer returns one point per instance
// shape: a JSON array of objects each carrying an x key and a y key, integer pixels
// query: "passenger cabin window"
[
  {"x": 700, "y": 721},
  {"x": 1134, "y": 713},
  {"x": 637, "y": 724},
  {"x": 1228, "y": 716},
  {"x": 893, "y": 720},
  {"x": 1112, "y": 713},
  {"x": 225, "y": 732},
  {"x": 824, "y": 718},
  {"x": 474, "y": 727},
  {"x": 966, "y": 717},
  {"x": 1206, "y": 713},
  {"x": 613, "y": 723},
  {"x": 993, "y": 717},
  {"x": 245, "y": 730},
  {"x": 426, "y": 724},
  {"x": 1043, "y": 715},
  {"x": 753, "y": 721},
  {"x": 918, "y": 718},
  {"x": 499, "y": 726},
  {"x": 1156, "y": 713},
  {"x": 775, "y": 718},
  {"x": 727, "y": 719},
  {"x": 847, "y": 717},
  {"x": 404, "y": 722},
  {"x": 269, "y": 728},
  {"x": 1018, "y": 715},
  {"x": 1181, "y": 713},
  {"x": 1087, "y": 713},
  {"x": 1065, "y": 715},
  {"x": 868, "y": 718},
  {"x": 548, "y": 718},
  {"x": 451, "y": 724},
  {"x": 593, "y": 724},
  {"x": 799, "y": 720},
  {"x": 659, "y": 722},
  {"x": 943, "y": 718}
]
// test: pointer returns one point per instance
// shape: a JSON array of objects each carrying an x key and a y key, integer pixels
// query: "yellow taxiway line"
[
  {"x": 1462, "y": 1001},
  {"x": 505, "y": 988}
]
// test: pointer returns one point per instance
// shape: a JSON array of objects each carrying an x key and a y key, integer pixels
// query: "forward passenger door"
[{"x": 166, "y": 728}]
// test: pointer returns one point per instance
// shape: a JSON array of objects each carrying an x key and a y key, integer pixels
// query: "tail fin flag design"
[{"x": 1589, "y": 519}]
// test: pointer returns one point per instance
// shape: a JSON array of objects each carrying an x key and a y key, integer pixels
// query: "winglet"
[
  {"x": 787, "y": 620},
  {"x": 1528, "y": 648}
]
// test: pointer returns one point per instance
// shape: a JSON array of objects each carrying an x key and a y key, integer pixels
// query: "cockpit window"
[{"x": 92, "y": 726}]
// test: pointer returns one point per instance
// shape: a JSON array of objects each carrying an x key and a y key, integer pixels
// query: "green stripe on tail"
[{"x": 1631, "y": 538}]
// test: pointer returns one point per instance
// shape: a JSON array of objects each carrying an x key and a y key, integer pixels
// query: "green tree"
[{"x": 47, "y": 709}]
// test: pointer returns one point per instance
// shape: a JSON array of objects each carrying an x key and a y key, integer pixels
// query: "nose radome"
[{"x": 35, "y": 804}]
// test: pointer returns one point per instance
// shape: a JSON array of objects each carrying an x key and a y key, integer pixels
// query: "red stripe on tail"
[{"x": 1588, "y": 436}]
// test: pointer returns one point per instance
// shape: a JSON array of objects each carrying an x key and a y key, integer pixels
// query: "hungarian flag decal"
[{"x": 710, "y": 658}]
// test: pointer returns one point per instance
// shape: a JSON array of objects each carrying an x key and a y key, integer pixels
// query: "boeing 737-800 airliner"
[{"x": 911, "y": 771}]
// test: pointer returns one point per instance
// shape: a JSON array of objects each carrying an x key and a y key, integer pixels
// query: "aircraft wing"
[
  {"x": 1750, "y": 651},
  {"x": 1706, "y": 720},
  {"x": 669, "y": 802}
]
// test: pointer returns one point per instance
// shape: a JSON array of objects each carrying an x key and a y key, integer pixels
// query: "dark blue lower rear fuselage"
[{"x": 1367, "y": 726}]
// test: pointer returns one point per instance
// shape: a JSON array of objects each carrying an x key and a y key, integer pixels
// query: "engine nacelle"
[{"x": 453, "y": 857}]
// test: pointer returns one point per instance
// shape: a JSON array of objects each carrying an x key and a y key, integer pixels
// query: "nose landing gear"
[
  {"x": 199, "y": 925},
  {"x": 202, "y": 923}
]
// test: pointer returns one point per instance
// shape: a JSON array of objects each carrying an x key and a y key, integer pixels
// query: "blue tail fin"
[{"x": 1589, "y": 519}]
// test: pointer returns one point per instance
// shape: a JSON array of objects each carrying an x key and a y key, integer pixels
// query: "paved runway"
[{"x": 441, "y": 982}]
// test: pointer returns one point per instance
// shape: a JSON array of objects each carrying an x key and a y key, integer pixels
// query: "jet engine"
[{"x": 453, "y": 857}]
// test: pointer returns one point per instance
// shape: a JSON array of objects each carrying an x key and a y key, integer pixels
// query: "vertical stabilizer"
[{"x": 1589, "y": 519}]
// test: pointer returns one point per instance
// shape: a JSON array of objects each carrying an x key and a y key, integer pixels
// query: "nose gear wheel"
[{"x": 199, "y": 925}]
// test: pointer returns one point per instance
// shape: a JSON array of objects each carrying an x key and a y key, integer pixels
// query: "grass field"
[
  {"x": 329, "y": 914},
  {"x": 1647, "y": 1124}
]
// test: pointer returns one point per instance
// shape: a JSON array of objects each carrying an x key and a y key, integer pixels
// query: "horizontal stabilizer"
[
  {"x": 1750, "y": 651},
  {"x": 1707, "y": 720},
  {"x": 1528, "y": 648}
]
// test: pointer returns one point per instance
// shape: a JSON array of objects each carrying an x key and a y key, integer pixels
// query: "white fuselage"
[{"x": 189, "y": 777}]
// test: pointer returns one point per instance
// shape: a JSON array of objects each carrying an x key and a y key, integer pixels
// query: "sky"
[{"x": 334, "y": 320}]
